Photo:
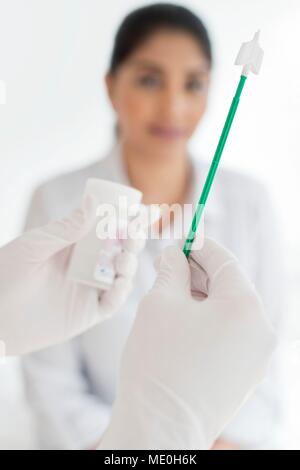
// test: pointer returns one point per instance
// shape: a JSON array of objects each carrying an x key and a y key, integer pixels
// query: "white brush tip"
[
  {"x": 256, "y": 36},
  {"x": 250, "y": 55}
]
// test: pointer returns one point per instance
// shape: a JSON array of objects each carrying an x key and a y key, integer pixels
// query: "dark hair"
[{"x": 143, "y": 22}]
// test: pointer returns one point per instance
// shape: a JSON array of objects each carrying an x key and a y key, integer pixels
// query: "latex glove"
[
  {"x": 189, "y": 365},
  {"x": 39, "y": 307}
]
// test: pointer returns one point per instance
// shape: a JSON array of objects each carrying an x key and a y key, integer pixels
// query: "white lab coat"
[{"x": 71, "y": 387}]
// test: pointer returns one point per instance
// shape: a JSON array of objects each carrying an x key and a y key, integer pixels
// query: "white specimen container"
[{"x": 92, "y": 261}]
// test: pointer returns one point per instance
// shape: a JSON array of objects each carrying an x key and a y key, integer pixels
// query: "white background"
[{"x": 53, "y": 56}]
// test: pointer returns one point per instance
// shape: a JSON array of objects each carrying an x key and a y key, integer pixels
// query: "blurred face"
[{"x": 160, "y": 93}]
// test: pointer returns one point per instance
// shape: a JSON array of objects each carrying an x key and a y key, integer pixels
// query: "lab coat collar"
[
  {"x": 116, "y": 165},
  {"x": 214, "y": 210}
]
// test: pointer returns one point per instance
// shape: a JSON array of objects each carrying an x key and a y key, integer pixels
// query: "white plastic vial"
[{"x": 92, "y": 261}]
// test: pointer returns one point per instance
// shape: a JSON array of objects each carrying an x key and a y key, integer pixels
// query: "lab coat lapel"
[{"x": 214, "y": 210}]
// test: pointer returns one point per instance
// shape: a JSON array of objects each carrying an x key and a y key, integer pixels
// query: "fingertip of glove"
[
  {"x": 126, "y": 263},
  {"x": 172, "y": 253},
  {"x": 134, "y": 245}
]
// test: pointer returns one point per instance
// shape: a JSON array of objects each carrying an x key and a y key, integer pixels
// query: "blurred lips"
[{"x": 167, "y": 132}]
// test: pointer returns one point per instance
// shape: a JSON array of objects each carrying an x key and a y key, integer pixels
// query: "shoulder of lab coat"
[{"x": 58, "y": 196}]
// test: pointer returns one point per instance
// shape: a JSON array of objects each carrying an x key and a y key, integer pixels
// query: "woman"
[{"x": 158, "y": 85}]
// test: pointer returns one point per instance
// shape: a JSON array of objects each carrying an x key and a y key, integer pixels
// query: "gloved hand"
[
  {"x": 190, "y": 364},
  {"x": 39, "y": 307}
]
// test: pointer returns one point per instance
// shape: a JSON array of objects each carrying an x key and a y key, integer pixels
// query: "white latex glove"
[
  {"x": 39, "y": 307},
  {"x": 189, "y": 365}
]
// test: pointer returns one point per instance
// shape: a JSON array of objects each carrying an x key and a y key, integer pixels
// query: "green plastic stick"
[{"x": 213, "y": 168}]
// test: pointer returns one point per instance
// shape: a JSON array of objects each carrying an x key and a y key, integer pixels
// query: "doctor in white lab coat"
[
  {"x": 72, "y": 386},
  {"x": 158, "y": 88}
]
